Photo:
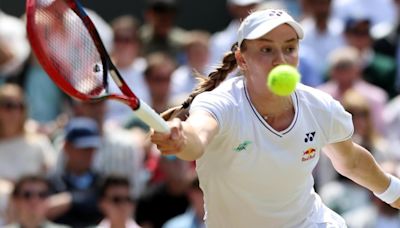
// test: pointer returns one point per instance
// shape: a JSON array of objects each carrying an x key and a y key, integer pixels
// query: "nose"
[{"x": 279, "y": 59}]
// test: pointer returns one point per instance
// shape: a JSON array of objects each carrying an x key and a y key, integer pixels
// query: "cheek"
[
  {"x": 259, "y": 65},
  {"x": 293, "y": 60}
]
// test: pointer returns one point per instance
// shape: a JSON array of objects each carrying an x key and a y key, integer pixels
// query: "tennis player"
[{"x": 255, "y": 151}]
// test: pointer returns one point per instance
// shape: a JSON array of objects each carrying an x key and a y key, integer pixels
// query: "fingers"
[{"x": 170, "y": 143}]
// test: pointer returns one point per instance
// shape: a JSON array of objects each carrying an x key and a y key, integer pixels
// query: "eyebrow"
[{"x": 286, "y": 41}]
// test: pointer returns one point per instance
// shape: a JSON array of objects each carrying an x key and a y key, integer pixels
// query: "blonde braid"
[{"x": 205, "y": 83}]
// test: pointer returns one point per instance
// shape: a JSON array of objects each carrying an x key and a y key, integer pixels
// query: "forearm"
[
  {"x": 357, "y": 164},
  {"x": 193, "y": 147},
  {"x": 365, "y": 171},
  {"x": 188, "y": 139},
  {"x": 58, "y": 204}
]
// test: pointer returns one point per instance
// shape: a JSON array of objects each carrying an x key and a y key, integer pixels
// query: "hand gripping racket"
[{"x": 69, "y": 48}]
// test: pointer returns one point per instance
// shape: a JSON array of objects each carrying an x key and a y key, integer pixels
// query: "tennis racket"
[{"x": 69, "y": 48}]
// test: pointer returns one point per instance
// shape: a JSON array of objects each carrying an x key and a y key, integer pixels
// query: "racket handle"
[{"x": 150, "y": 117}]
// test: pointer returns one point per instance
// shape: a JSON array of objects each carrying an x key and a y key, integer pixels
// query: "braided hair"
[{"x": 206, "y": 83}]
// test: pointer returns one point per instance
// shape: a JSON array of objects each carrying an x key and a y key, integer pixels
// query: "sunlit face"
[
  {"x": 12, "y": 114},
  {"x": 279, "y": 46}
]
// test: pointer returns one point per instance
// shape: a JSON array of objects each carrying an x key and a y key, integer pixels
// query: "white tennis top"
[{"x": 254, "y": 176}]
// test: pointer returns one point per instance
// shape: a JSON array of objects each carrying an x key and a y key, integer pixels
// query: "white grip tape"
[
  {"x": 150, "y": 117},
  {"x": 392, "y": 193}
]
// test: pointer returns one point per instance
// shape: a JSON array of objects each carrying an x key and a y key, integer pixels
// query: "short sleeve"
[
  {"x": 219, "y": 106},
  {"x": 341, "y": 125}
]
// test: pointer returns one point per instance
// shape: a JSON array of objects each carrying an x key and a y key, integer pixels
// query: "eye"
[
  {"x": 290, "y": 49},
  {"x": 266, "y": 50}
]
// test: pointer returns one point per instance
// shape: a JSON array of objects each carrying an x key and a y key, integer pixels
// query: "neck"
[
  {"x": 322, "y": 25},
  {"x": 31, "y": 222},
  {"x": 117, "y": 223},
  {"x": 343, "y": 87},
  {"x": 125, "y": 62},
  {"x": 273, "y": 107},
  {"x": 277, "y": 111},
  {"x": 76, "y": 172},
  {"x": 160, "y": 104},
  {"x": 177, "y": 187}
]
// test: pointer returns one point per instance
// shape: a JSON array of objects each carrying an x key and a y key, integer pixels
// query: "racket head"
[{"x": 69, "y": 48}]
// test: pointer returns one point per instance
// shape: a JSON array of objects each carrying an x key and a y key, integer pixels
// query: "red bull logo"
[{"x": 308, "y": 154}]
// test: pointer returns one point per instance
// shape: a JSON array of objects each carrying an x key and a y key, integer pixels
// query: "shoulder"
[
  {"x": 227, "y": 93},
  {"x": 38, "y": 139},
  {"x": 391, "y": 111},
  {"x": 372, "y": 92},
  {"x": 183, "y": 220},
  {"x": 383, "y": 63}
]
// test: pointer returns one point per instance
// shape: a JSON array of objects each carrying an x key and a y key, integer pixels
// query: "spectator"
[
  {"x": 127, "y": 58},
  {"x": 14, "y": 47},
  {"x": 168, "y": 198},
  {"x": 345, "y": 73},
  {"x": 22, "y": 151},
  {"x": 159, "y": 33},
  {"x": 193, "y": 217},
  {"x": 365, "y": 133},
  {"x": 29, "y": 203},
  {"x": 197, "y": 53},
  {"x": 324, "y": 33},
  {"x": 382, "y": 13},
  {"x": 6, "y": 188},
  {"x": 75, "y": 187},
  {"x": 120, "y": 153},
  {"x": 377, "y": 68},
  {"x": 158, "y": 76},
  {"x": 388, "y": 44},
  {"x": 220, "y": 42},
  {"x": 46, "y": 100},
  {"x": 117, "y": 204}
]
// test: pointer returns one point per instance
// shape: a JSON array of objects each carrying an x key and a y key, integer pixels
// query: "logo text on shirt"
[
  {"x": 242, "y": 146},
  {"x": 308, "y": 154}
]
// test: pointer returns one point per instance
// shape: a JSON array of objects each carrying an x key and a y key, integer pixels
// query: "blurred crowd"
[{"x": 67, "y": 163}]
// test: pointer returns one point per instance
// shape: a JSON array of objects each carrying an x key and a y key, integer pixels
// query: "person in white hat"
[{"x": 255, "y": 151}]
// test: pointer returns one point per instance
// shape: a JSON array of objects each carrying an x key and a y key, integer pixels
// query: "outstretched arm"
[
  {"x": 356, "y": 163},
  {"x": 189, "y": 138}
]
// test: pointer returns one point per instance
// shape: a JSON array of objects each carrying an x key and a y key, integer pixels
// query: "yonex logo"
[
  {"x": 309, "y": 137},
  {"x": 242, "y": 146},
  {"x": 275, "y": 13}
]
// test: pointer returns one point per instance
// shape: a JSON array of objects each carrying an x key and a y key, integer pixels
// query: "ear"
[{"x": 240, "y": 61}]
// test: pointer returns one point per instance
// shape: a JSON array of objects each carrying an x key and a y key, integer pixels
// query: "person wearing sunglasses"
[
  {"x": 29, "y": 203},
  {"x": 116, "y": 203},
  {"x": 22, "y": 150}
]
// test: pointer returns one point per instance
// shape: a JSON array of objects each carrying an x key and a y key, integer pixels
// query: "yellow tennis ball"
[{"x": 283, "y": 79}]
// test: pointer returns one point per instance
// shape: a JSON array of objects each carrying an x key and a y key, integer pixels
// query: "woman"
[
  {"x": 255, "y": 151},
  {"x": 116, "y": 203},
  {"x": 22, "y": 151},
  {"x": 29, "y": 200}
]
